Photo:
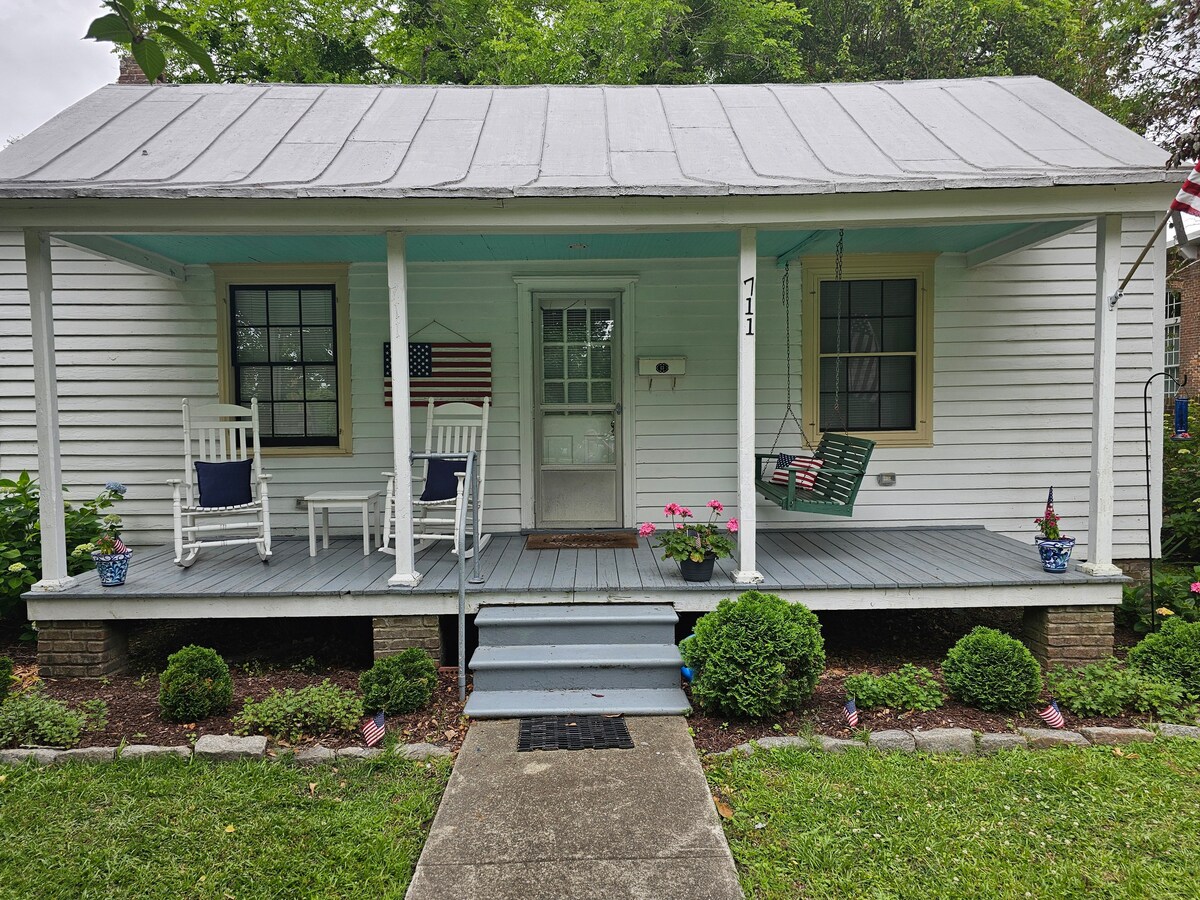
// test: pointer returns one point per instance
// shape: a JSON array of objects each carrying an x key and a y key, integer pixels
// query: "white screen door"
[{"x": 578, "y": 416}]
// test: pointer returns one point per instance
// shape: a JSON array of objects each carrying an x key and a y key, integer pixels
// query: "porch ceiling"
[{"x": 274, "y": 248}]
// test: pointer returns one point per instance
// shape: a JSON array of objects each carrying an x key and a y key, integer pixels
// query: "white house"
[{"x": 985, "y": 225}]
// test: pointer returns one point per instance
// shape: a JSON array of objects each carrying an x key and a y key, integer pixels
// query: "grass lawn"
[
  {"x": 1051, "y": 823},
  {"x": 169, "y": 828}
]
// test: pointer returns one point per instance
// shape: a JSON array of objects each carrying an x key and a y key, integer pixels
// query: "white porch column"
[
  {"x": 54, "y": 575},
  {"x": 397, "y": 276},
  {"x": 1104, "y": 381},
  {"x": 747, "y": 325}
]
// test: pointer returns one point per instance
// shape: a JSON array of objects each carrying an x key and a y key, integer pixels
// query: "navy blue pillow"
[
  {"x": 224, "y": 483},
  {"x": 441, "y": 482}
]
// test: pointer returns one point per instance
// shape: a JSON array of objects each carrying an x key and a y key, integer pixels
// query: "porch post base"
[
  {"x": 82, "y": 649},
  {"x": 1088, "y": 568},
  {"x": 53, "y": 585},
  {"x": 1069, "y": 635},
  {"x": 392, "y": 634},
  {"x": 747, "y": 577},
  {"x": 405, "y": 579}
]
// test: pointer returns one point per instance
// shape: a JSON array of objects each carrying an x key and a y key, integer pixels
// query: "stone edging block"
[{"x": 228, "y": 747}]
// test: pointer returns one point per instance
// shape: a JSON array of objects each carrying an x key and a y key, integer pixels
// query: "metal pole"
[
  {"x": 476, "y": 577},
  {"x": 461, "y": 527},
  {"x": 1149, "y": 512}
]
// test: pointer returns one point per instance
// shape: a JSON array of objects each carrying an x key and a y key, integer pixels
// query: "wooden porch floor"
[{"x": 867, "y": 568}]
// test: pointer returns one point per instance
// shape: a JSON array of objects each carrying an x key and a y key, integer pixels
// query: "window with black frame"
[
  {"x": 284, "y": 352},
  {"x": 868, "y": 353}
]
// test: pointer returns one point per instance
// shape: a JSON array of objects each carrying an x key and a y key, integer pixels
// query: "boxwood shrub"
[
  {"x": 195, "y": 685},
  {"x": 1171, "y": 654},
  {"x": 754, "y": 657},
  {"x": 992, "y": 671},
  {"x": 399, "y": 684}
]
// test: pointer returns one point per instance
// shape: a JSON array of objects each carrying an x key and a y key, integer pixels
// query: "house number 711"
[{"x": 750, "y": 307}]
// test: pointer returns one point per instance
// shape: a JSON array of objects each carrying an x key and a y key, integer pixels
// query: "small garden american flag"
[
  {"x": 445, "y": 372},
  {"x": 1052, "y": 715},
  {"x": 373, "y": 729},
  {"x": 850, "y": 711}
]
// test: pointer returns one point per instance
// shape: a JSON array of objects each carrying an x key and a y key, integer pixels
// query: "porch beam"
[
  {"x": 121, "y": 251},
  {"x": 1025, "y": 239},
  {"x": 38, "y": 273},
  {"x": 747, "y": 570},
  {"x": 406, "y": 574},
  {"x": 1104, "y": 399}
]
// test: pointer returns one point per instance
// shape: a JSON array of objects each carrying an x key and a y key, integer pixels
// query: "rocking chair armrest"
[
  {"x": 388, "y": 474},
  {"x": 174, "y": 482},
  {"x": 265, "y": 478}
]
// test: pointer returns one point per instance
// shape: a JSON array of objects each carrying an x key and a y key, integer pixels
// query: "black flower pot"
[{"x": 697, "y": 571}]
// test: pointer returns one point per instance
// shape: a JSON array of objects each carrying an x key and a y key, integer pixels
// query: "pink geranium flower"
[
  {"x": 646, "y": 529},
  {"x": 685, "y": 512},
  {"x": 732, "y": 526},
  {"x": 1196, "y": 587},
  {"x": 672, "y": 509},
  {"x": 716, "y": 505}
]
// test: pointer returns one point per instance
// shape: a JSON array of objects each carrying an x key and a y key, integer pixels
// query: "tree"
[{"x": 147, "y": 31}]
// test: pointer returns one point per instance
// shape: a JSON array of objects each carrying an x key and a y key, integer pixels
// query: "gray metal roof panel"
[{"x": 276, "y": 141}]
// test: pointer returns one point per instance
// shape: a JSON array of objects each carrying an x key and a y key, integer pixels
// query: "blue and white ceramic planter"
[
  {"x": 112, "y": 567},
  {"x": 1055, "y": 553}
]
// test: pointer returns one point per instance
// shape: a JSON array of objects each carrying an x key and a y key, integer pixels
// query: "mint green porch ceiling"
[{"x": 204, "y": 249}]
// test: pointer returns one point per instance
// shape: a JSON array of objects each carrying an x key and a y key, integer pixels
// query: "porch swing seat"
[{"x": 834, "y": 485}]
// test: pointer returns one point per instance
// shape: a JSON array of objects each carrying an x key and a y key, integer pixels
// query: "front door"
[{"x": 577, "y": 416}]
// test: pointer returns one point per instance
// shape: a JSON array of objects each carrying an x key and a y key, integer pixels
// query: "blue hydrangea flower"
[{"x": 116, "y": 487}]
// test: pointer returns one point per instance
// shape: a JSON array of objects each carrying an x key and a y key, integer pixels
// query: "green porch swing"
[{"x": 831, "y": 488}]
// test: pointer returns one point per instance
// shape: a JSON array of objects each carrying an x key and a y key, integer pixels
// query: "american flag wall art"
[{"x": 444, "y": 371}]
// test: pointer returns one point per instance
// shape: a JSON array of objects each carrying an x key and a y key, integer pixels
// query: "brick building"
[{"x": 1182, "y": 356}]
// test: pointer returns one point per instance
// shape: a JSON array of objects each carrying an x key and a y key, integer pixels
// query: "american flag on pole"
[
  {"x": 445, "y": 372},
  {"x": 1188, "y": 198},
  {"x": 373, "y": 729},
  {"x": 1052, "y": 715},
  {"x": 850, "y": 711}
]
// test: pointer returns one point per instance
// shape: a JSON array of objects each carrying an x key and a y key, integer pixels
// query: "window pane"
[
  {"x": 862, "y": 374},
  {"x": 829, "y": 294},
  {"x": 829, "y": 336},
  {"x": 318, "y": 344},
  {"x": 899, "y": 297},
  {"x": 285, "y": 345},
  {"x": 899, "y": 334},
  {"x": 266, "y": 421},
  {"x": 898, "y": 373},
  {"x": 577, "y": 362},
  {"x": 288, "y": 383},
  {"x": 897, "y": 410},
  {"x": 553, "y": 363},
  {"x": 863, "y": 411},
  {"x": 602, "y": 325},
  {"x": 255, "y": 381},
  {"x": 577, "y": 326},
  {"x": 865, "y": 298},
  {"x": 554, "y": 392},
  {"x": 865, "y": 335},
  {"x": 552, "y": 324},
  {"x": 321, "y": 419},
  {"x": 320, "y": 382},
  {"x": 316, "y": 306},
  {"x": 249, "y": 306},
  {"x": 289, "y": 420},
  {"x": 577, "y": 392},
  {"x": 601, "y": 391},
  {"x": 251, "y": 345},
  {"x": 602, "y": 361},
  {"x": 284, "y": 306}
]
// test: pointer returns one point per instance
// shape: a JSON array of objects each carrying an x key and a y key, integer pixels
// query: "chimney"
[{"x": 131, "y": 72}]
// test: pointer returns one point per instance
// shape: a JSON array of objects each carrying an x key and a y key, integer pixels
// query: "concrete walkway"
[{"x": 586, "y": 823}]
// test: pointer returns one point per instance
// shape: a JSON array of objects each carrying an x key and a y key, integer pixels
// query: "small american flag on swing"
[{"x": 443, "y": 371}]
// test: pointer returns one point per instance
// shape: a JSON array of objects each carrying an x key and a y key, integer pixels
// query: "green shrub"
[
  {"x": 1180, "y": 498},
  {"x": 399, "y": 684},
  {"x": 1171, "y": 654},
  {"x": 989, "y": 670},
  {"x": 6, "y": 677},
  {"x": 291, "y": 714},
  {"x": 31, "y": 718},
  {"x": 21, "y": 535},
  {"x": 1172, "y": 592},
  {"x": 195, "y": 685},
  {"x": 909, "y": 688},
  {"x": 1108, "y": 689},
  {"x": 754, "y": 657}
]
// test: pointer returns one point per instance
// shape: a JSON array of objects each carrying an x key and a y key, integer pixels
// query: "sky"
[{"x": 44, "y": 64}]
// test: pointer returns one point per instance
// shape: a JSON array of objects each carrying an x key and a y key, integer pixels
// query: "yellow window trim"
[
  {"x": 286, "y": 273},
  {"x": 919, "y": 266}
]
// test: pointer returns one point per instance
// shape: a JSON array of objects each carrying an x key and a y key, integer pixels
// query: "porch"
[{"x": 826, "y": 569}]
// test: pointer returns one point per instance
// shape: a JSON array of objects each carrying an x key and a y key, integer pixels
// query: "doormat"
[
  {"x": 574, "y": 733},
  {"x": 582, "y": 540}
]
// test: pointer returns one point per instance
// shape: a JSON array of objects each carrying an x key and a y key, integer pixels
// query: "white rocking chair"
[
  {"x": 217, "y": 434},
  {"x": 449, "y": 428}
]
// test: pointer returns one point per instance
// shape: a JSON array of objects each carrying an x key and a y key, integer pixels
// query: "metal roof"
[{"x": 276, "y": 140}]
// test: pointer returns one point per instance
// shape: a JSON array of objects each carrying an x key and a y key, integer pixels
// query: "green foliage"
[
  {"x": 909, "y": 688},
  {"x": 147, "y": 32},
  {"x": 1181, "y": 493},
  {"x": 399, "y": 684},
  {"x": 31, "y": 718},
  {"x": 754, "y": 657},
  {"x": 195, "y": 685},
  {"x": 21, "y": 535},
  {"x": 6, "y": 677},
  {"x": 992, "y": 671},
  {"x": 1109, "y": 689},
  {"x": 291, "y": 714},
  {"x": 1171, "y": 654},
  {"x": 1173, "y": 596}
]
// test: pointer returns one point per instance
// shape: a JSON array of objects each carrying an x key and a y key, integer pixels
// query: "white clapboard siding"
[{"x": 1012, "y": 385}]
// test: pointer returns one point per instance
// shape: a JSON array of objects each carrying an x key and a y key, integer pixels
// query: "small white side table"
[{"x": 367, "y": 501}]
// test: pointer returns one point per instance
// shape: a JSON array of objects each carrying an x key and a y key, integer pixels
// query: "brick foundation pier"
[
  {"x": 83, "y": 649},
  {"x": 1069, "y": 635},
  {"x": 395, "y": 633}
]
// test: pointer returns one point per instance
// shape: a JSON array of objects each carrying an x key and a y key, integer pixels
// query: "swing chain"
[{"x": 788, "y": 411}]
